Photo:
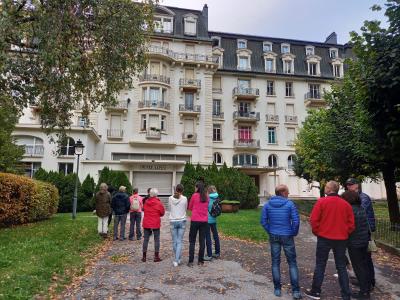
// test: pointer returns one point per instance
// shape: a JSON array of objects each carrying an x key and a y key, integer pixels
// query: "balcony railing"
[
  {"x": 153, "y": 134},
  {"x": 312, "y": 95},
  {"x": 248, "y": 116},
  {"x": 189, "y": 137},
  {"x": 154, "y": 77},
  {"x": 246, "y": 143},
  {"x": 291, "y": 119},
  {"x": 246, "y": 92},
  {"x": 218, "y": 115},
  {"x": 119, "y": 105},
  {"x": 34, "y": 150},
  {"x": 115, "y": 133},
  {"x": 217, "y": 90},
  {"x": 272, "y": 118},
  {"x": 190, "y": 83},
  {"x": 182, "y": 56},
  {"x": 151, "y": 104},
  {"x": 189, "y": 108},
  {"x": 314, "y": 100}
]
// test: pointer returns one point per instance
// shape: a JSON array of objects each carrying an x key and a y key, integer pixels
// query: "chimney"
[
  {"x": 331, "y": 39},
  {"x": 204, "y": 13}
]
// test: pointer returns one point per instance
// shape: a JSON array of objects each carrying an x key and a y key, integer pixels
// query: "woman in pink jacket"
[{"x": 198, "y": 205}]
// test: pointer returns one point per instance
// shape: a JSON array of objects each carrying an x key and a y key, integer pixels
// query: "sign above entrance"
[{"x": 153, "y": 167}]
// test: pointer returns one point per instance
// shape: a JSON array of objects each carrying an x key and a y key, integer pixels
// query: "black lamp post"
[{"x": 78, "y": 152}]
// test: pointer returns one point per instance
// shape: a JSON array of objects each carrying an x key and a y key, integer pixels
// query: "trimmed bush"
[
  {"x": 86, "y": 193},
  {"x": 24, "y": 200},
  {"x": 115, "y": 179}
]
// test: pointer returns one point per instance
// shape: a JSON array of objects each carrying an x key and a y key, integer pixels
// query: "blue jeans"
[
  {"x": 177, "y": 232},
  {"x": 213, "y": 228},
  {"x": 324, "y": 246},
  {"x": 287, "y": 243}
]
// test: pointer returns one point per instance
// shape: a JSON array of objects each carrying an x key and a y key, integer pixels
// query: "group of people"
[
  {"x": 203, "y": 222},
  {"x": 343, "y": 224}
]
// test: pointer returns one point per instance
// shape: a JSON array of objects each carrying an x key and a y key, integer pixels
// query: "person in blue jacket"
[
  {"x": 212, "y": 227},
  {"x": 281, "y": 220}
]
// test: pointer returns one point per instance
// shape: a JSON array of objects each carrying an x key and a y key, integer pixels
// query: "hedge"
[{"x": 24, "y": 200}]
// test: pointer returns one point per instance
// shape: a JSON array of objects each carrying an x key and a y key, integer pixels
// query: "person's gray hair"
[
  {"x": 153, "y": 192},
  {"x": 122, "y": 189},
  {"x": 103, "y": 185}
]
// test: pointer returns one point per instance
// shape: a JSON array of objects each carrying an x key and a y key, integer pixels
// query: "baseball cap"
[{"x": 351, "y": 181}]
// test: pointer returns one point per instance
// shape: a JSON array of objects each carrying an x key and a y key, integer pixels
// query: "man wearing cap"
[{"x": 353, "y": 184}]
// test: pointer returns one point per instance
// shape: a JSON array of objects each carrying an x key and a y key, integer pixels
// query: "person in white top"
[{"x": 177, "y": 217}]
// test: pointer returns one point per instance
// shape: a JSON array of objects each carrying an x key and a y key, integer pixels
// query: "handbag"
[{"x": 372, "y": 247}]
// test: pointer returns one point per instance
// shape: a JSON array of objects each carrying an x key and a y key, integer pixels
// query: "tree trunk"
[{"x": 390, "y": 185}]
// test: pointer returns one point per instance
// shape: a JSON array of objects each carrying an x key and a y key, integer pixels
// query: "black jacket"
[
  {"x": 120, "y": 203},
  {"x": 360, "y": 236}
]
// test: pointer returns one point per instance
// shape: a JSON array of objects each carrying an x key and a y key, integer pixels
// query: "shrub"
[
  {"x": 24, "y": 200},
  {"x": 115, "y": 179},
  {"x": 85, "y": 197}
]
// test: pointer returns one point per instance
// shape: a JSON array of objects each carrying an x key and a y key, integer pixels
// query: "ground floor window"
[
  {"x": 217, "y": 158},
  {"x": 30, "y": 168},
  {"x": 66, "y": 168}
]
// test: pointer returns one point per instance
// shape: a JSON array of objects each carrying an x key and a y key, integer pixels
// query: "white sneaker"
[{"x": 175, "y": 264}]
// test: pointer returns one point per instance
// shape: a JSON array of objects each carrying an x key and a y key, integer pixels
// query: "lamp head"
[{"x": 79, "y": 147}]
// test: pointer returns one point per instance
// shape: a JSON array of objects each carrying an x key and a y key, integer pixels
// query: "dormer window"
[
  {"x": 244, "y": 63},
  {"x": 216, "y": 41},
  {"x": 163, "y": 24},
  {"x": 333, "y": 53},
  {"x": 310, "y": 50},
  {"x": 285, "y": 48},
  {"x": 267, "y": 46},
  {"x": 190, "y": 25},
  {"x": 242, "y": 44}
]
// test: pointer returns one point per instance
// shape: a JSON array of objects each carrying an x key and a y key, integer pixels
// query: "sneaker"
[
  {"x": 360, "y": 295},
  {"x": 277, "y": 292},
  {"x": 200, "y": 263},
  {"x": 297, "y": 295},
  {"x": 215, "y": 255},
  {"x": 313, "y": 295},
  {"x": 207, "y": 258},
  {"x": 175, "y": 264}
]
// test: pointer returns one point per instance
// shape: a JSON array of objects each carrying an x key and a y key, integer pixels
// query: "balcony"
[
  {"x": 314, "y": 100},
  {"x": 246, "y": 144},
  {"x": 119, "y": 106},
  {"x": 154, "y": 105},
  {"x": 189, "y": 137},
  {"x": 272, "y": 118},
  {"x": 245, "y": 93},
  {"x": 154, "y": 78},
  {"x": 217, "y": 90},
  {"x": 189, "y": 110},
  {"x": 249, "y": 117},
  {"x": 115, "y": 133},
  {"x": 193, "y": 85},
  {"x": 153, "y": 133},
  {"x": 161, "y": 52},
  {"x": 34, "y": 150},
  {"x": 291, "y": 119},
  {"x": 218, "y": 116}
]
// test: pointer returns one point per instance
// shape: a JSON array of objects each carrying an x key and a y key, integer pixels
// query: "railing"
[
  {"x": 219, "y": 115},
  {"x": 115, "y": 133},
  {"x": 313, "y": 95},
  {"x": 217, "y": 90},
  {"x": 196, "y": 83},
  {"x": 189, "y": 136},
  {"x": 250, "y": 143},
  {"x": 291, "y": 119},
  {"x": 244, "y": 165},
  {"x": 387, "y": 232},
  {"x": 272, "y": 118},
  {"x": 246, "y": 115},
  {"x": 154, "y": 77},
  {"x": 189, "y": 108},
  {"x": 119, "y": 105},
  {"x": 34, "y": 150},
  {"x": 153, "y": 134},
  {"x": 182, "y": 56},
  {"x": 246, "y": 91},
  {"x": 151, "y": 104}
]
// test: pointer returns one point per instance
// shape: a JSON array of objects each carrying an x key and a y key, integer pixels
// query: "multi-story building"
[{"x": 204, "y": 97}]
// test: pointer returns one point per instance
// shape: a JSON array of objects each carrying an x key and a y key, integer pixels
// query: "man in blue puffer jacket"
[{"x": 281, "y": 220}]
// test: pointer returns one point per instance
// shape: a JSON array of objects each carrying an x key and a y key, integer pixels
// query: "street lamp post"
[{"x": 78, "y": 152}]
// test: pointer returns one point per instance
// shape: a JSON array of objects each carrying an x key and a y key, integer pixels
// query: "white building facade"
[{"x": 204, "y": 97}]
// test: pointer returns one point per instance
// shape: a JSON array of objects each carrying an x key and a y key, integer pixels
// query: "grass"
[
  {"x": 245, "y": 225},
  {"x": 35, "y": 256}
]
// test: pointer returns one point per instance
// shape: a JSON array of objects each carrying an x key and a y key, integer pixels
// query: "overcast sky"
[{"x": 311, "y": 20}]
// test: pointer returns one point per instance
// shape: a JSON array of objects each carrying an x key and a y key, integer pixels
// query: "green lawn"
[
  {"x": 33, "y": 256},
  {"x": 244, "y": 224}
]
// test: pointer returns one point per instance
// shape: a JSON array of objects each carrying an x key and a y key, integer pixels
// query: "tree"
[
  {"x": 86, "y": 194},
  {"x": 60, "y": 55},
  {"x": 119, "y": 178}
]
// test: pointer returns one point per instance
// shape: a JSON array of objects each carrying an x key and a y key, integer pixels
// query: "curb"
[{"x": 389, "y": 248}]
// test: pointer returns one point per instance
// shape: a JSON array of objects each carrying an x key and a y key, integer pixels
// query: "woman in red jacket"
[{"x": 153, "y": 211}]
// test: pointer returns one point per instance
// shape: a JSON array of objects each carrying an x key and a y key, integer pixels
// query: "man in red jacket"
[{"x": 332, "y": 221}]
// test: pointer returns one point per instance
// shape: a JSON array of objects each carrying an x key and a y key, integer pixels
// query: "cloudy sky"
[{"x": 311, "y": 20}]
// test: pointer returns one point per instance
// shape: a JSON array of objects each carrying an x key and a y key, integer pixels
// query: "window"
[
  {"x": 245, "y": 159},
  {"x": 289, "y": 89},
  {"x": 269, "y": 65},
  {"x": 216, "y": 84},
  {"x": 216, "y": 41},
  {"x": 291, "y": 136},
  {"x": 82, "y": 121},
  {"x": 30, "y": 168},
  {"x": 271, "y": 108},
  {"x": 271, "y": 135},
  {"x": 291, "y": 159},
  {"x": 309, "y": 50},
  {"x": 189, "y": 101},
  {"x": 217, "y": 133},
  {"x": 163, "y": 124},
  {"x": 312, "y": 69},
  {"x": 314, "y": 91},
  {"x": 336, "y": 70},
  {"x": 154, "y": 96},
  {"x": 143, "y": 122},
  {"x": 243, "y": 84},
  {"x": 33, "y": 145},
  {"x": 287, "y": 67},
  {"x": 218, "y": 59},
  {"x": 244, "y": 108},
  {"x": 190, "y": 26},
  {"x": 163, "y": 24},
  {"x": 245, "y": 133},
  {"x": 272, "y": 161},
  {"x": 217, "y": 158},
  {"x": 243, "y": 62},
  {"x": 333, "y": 53},
  {"x": 216, "y": 107},
  {"x": 65, "y": 168},
  {"x": 290, "y": 109},
  {"x": 68, "y": 147},
  {"x": 285, "y": 48},
  {"x": 270, "y": 88},
  {"x": 267, "y": 46},
  {"x": 242, "y": 44}
]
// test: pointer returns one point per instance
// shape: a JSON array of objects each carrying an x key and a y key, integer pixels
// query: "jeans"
[
  {"x": 135, "y": 218},
  {"x": 287, "y": 243},
  {"x": 324, "y": 246},
  {"x": 147, "y": 234},
  {"x": 177, "y": 232},
  {"x": 117, "y": 220},
  {"x": 359, "y": 261},
  {"x": 213, "y": 228},
  {"x": 371, "y": 269},
  {"x": 102, "y": 225},
  {"x": 195, "y": 227}
]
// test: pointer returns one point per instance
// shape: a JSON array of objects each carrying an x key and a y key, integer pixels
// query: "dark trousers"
[
  {"x": 324, "y": 246},
  {"x": 359, "y": 261},
  {"x": 119, "y": 219},
  {"x": 135, "y": 218},
  {"x": 109, "y": 219},
  {"x": 212, "y": 228},
  {"x": 201, "y": 228},
  {"x": 147, "y": 234},
  {"x": 371, "y": 269}
]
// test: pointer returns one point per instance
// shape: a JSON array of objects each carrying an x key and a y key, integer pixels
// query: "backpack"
[
  {"x": 135, "y": 204},
  {"x": 216, "y": 209}
]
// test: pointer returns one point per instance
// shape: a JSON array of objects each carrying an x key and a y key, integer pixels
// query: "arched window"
[
  {"x": 290, "y": 161},
  {"x": 217, "y": 158},
  {"x": 67, "y": 146},
  {"x": 272, "y": 161},
  {"x": 33, "y": 145},
  {"x": 245, "y": 159}
]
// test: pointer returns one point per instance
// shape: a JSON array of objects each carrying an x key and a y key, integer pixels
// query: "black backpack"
[{"x": 216, "y": 209}]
